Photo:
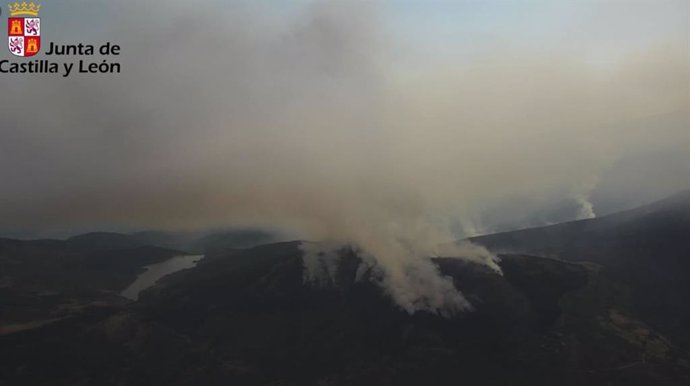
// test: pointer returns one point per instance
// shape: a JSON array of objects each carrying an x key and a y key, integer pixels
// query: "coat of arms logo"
[{"x": 24, "y": 29}]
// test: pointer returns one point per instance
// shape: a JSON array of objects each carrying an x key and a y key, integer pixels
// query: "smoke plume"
[{"x": 320, "y": 119}]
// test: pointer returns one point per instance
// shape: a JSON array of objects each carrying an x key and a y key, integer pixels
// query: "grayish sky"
[
  {"x": 395, "y": 126},
  {"x": 251, "y": 112}
]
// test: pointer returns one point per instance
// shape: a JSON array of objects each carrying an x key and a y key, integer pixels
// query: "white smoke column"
[
  {"x": 586, "y": 208},
  {"x": 313, "y": 122},
  {"x": 320, "y": 261},
  {"x": 404, "y": 271}
]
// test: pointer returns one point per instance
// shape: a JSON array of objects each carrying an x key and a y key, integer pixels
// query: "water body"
[{"x": 155, "y": 272}]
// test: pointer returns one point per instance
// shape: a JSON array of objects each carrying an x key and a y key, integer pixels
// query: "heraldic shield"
[{"x": 24, "y": 29}]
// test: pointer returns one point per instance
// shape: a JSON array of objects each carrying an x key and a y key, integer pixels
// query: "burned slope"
[
  {"x": 645, "y": 250},
  {"x": 246, "y": 317}
]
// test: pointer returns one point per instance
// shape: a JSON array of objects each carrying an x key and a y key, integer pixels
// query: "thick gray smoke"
[
  {"x": 316, "y": 120},
  {"x": 411, "y": 279}
]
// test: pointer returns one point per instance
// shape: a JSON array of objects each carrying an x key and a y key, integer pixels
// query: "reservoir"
[{"x": 155, "y": 272}]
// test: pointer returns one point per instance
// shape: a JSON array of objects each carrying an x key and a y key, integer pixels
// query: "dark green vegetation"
[
  {"x": 244, "y": 317},
  {"x": 43, "y": 281}
]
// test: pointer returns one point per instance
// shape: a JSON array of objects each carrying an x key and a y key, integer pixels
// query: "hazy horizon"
[
  {"x": 282, "y": 235},
  {"x": 393, "y": 126}
]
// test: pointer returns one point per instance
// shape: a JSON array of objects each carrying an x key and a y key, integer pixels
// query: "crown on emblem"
[{"x": 29, "y": 9}]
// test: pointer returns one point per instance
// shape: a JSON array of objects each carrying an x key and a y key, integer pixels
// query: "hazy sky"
[
  {"x": 213, "y": 91},
  {"x": 395, "y": 125}
]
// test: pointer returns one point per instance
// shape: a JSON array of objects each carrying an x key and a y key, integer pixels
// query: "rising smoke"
[{"x": 317, "y": 122}]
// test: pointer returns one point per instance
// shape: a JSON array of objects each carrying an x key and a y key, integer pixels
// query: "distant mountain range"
[
  {"x": 593, "y": 302},
  {"x": 193, "y": 242}
]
